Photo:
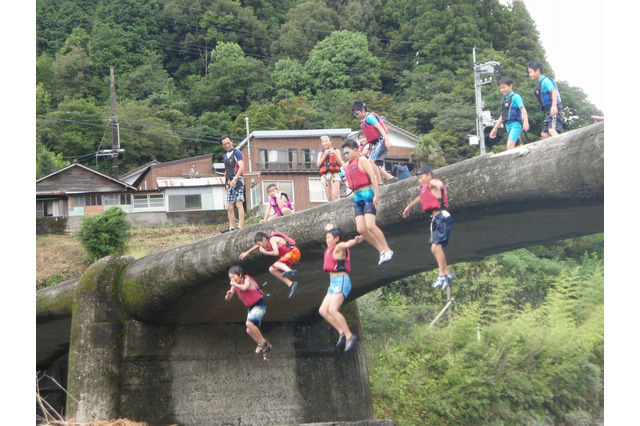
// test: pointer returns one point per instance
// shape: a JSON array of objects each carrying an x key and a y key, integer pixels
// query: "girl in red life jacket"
[
  {"x": 279, "y": 201},
  {"x": 433, "y": 197},
  {"x": 250, "y": 294},
  {"x": 279, "y": 245},
  {"x": 329, "y": 162},
  {"x": 359, "y": 175},
  {"x": 337, "y": 262}
]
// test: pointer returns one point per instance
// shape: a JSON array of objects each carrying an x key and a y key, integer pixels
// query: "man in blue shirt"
[{"x": 512, "y": 113}]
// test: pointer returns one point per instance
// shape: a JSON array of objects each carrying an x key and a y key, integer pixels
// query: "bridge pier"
[{"x": 207, "y": 373}]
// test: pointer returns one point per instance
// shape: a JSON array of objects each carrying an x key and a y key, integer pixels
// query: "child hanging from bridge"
[
  {"x": 337, "y": 262},
  {"x": 361, "y": 179},
  {"x": 250, "y": 295},
  {"x": 282, "y": 246},
  {"x": 433, "y": 197}
]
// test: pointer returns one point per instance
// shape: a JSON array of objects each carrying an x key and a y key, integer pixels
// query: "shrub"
[{"x": 104, "y": 234}]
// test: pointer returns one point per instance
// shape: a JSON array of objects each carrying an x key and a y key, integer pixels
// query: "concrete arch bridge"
[{"x": 152, "y": 339}]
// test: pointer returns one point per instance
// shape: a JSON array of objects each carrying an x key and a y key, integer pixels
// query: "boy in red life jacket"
[
  {"x": 283, "y": 247},
  {"x": 329, "y": 163},
  {"x": 337, "y": 262},
  {"x": 375, "y": 133},
  {"x": 359, "y": 175},
  {"x": 250, "y": 295},
  {"x": 433, "y": 197},
  {"x": 279, "y": 201}
]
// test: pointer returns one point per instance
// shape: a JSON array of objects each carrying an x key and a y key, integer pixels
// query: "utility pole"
[
  {"x": 480, "y": 68},
  {"x": 114, "y": 124},
  {"x": 115, "y": 130}
]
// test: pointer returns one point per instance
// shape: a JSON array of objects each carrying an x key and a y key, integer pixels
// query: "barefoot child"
[
  {"x": 279, "y": 201},
  {"x": 283, "y": 247},
  {"x": 250, "y": 294},
  {"x": 337, "y": 262},
  {"x": 433, "y": 197}
]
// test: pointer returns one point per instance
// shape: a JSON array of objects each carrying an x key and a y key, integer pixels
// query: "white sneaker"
[{"x": 385, "y": 256}]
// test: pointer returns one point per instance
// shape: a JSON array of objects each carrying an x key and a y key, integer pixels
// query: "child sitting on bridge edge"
[
  {"x": 251, "y": 296},
  {"x": 280, "y": 245},
  {"x": 433, "y": 197}
]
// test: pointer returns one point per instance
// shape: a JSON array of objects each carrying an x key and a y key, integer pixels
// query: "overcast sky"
[{"x": 572, "y": 34}]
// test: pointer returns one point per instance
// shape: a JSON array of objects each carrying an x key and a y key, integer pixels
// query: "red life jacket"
[
  {"x": 331, "y": 264},
  {"x": 285, "y": 248},
  {"x": 356, "y": 178},
  {"x": 430, "y": 202},
  {"x": 330, "y": 165},
  {"x": 370, "y": 131},
  {"x": 252, "y": 295}
]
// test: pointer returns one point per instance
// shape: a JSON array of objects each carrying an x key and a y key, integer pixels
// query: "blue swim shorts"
[
  {"x": 256, "y": 312},
  {"x": 441, "y": 228},
  {"x": 340, "y": 284},
  {"x": 363, "y": 202},
  {"x": 515, "y": 129}
]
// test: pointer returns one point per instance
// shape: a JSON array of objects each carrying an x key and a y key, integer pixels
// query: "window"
[
  {"x": 111, "y": 199},
  {"x": 185, "y": 202},
  {"x": 125, "y": 199},
  {"x": 285, "y": 186},
  {"x": 93, "y": 200},
  {"x": 148, "y": 200},
  {"x": 316, "y": 191},
  {"x": 278, "y": 159},
  {"x": 308, "y": 161},
  {"x": 255, "y": 195}
]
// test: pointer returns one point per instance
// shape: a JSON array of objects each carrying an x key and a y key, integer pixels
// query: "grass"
[{"x": 61, "y": 257}]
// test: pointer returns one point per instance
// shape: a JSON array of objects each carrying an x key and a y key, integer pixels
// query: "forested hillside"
[{"x": 188, "y": 71}]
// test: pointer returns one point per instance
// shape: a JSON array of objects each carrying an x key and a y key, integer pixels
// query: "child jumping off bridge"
[
  {"x": 433, "y": 197},
  {"x": 251, "y": 296},
  {"x": 361, "y": 179},
  {"x": 337, "y": 262},
  {"x": 280, "y": 245}
]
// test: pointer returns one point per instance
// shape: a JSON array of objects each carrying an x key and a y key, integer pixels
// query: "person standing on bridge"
[
  {"x": 233, "y": 171},
  {"x": 337, "y": 262},
  {"x": 280, "y": 245},
  {"x": 250, "y": 295},
  {"x": 329, "y": 163},
  {"x": 375, "y": 133},
  {"x": 361, "y": 179},
  {"x": 548, "y": 96},
  {"x": 433, "y": 197},
  {"x": 512, "y": 113}
]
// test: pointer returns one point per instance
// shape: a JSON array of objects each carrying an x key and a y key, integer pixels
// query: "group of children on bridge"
[{"x": 364, "y": 177}]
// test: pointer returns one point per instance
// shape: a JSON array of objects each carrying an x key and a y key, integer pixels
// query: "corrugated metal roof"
[{"x": 183, "y": 182}]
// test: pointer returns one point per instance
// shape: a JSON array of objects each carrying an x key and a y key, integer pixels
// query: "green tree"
[
  {"x": 229, "y": 21},
  {"x": 289, "y": 79},
  {"x": 343, "y": 60},
  {"x": 124, "y": 33},
  {"x": 47, "y": 162},
  {"x": 233, "y": 82},
  {"x": 104, "y": 234},
  {"x": 307, "y": 23}
]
